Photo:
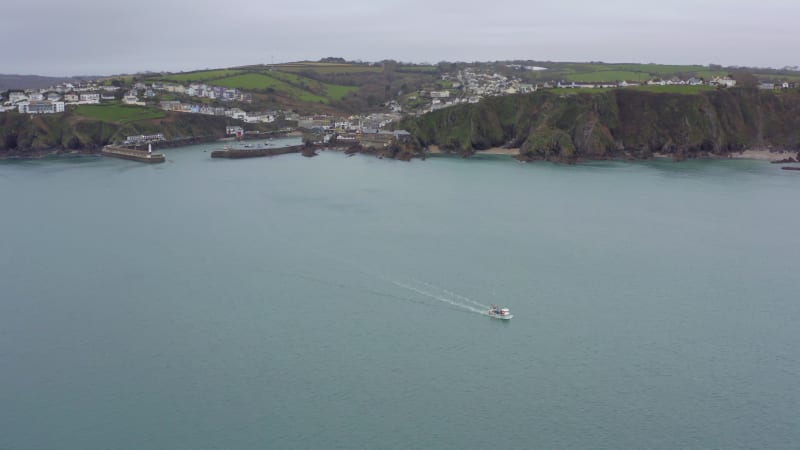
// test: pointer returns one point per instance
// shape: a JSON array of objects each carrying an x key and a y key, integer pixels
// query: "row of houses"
[
  {"x": 234, "y": 113},
  {"x": 196, "y": 90},
  {"x": 773, "y": 86},
  {"x": 323, "y": 122},
  {"x": 36, "y": 102}
]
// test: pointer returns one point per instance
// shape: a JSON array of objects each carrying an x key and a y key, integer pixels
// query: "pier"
[
  {"x": 144, "y": 156},
  {"x": 256, "y": 153}
]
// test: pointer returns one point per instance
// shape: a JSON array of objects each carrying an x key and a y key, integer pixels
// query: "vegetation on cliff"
[
  {"x": 31, "y": 135},
  {"x": 615, "y": 123}
]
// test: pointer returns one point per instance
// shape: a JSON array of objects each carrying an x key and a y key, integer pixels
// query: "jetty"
[
  {"x": 145, "y": 156},
  {"x": 232, "y": 153}
]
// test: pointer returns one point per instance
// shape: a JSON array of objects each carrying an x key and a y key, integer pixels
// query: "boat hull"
[{"x": 501, "y": 317}]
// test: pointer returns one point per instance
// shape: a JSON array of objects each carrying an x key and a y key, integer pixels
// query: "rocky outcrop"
[
  {"x": 622, "y": 123},
  {"x": 27, "y": 136}
]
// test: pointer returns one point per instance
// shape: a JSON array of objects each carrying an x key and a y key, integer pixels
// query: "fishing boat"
[{"x": 496, "y": 312}]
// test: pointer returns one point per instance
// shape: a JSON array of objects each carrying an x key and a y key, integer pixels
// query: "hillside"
[
  {"x": 88, "y": 128},
  {"x": 313, "y": 87},
  {"x": 616, "y": 123},
  {"x": 600, "y": 72}
]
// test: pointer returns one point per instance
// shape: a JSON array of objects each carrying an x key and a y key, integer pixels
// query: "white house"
[
  {"x": 16, "y": 97},
  {"x": 440, "y": 94},
  {"x": 723, "y": 81},
  {"x": 234, "y": 131},
  {"x": 71, "y": 97},
  {"x": 132, "y": 100},
  {"x": 41, "y": 107},
  {"x": 90, "y": 98}
]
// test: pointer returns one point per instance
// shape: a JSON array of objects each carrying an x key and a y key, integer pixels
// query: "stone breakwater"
[
  {"x": 133, "y": 155},
  {"x": 256, "y": 153}
]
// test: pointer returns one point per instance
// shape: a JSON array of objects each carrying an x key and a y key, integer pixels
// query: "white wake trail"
[
  {"x": 440, "y": 298},
  {"x": 452, "y": 294},
  {"x": 465, "y": 299}
]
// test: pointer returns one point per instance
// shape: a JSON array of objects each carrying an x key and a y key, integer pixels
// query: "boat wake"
[
  {"x": 420, "y": 287},
  {"x": 445, "y": 299},
  {"x": 453, "y": 294}
]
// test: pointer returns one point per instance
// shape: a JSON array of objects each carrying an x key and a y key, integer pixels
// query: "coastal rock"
[{"x": 621, "y": 123}]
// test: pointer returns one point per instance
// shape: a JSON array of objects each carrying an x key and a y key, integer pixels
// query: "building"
[
  {"x": 723, "y": 81},
  {"x": 16, "y": 97},
  {"x": 132, "y": 100},
  {"x": 144, "y": 139},
  {"x": 171, "y": 105},
  {"x": 234, "y": 131},
  {"x": 90, "y": 98},
  {"x": 440, "y": 94},
  {"x": 41, "y": 107}
]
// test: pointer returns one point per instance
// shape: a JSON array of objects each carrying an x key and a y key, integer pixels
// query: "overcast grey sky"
[{"x": 53, "y": 37}]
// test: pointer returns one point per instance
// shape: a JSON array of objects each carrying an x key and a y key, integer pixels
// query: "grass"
[
  {"x": 424, "y": 69},
  {"x": 293, "y": 85},
  {"x": 607, "y": 76},
  {"x": 204, "y": 75},
  {"x": 674, "y": 89},
  {"x": 337, "y": 91},
  {"x": 116, "y": 113},
  {"x": 601, "y": 72},
  {"x": 246, "y": 81},
  {"x": 327, "y": 68}
]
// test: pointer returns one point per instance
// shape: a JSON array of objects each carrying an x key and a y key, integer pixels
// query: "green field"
[
  {"x": 261, "y": 82},
  {"x": 602, "y": 72},
  {"x": 424, "y": 69},
  {"x": 204, "y": 75},
  {"x": 674, "y": 89},
  {"x": 607, "y": 76},
  {"x": 293, "y": 85},
  {"x": 116, "y": 113},
  {"x": 327, "y": 68},
  {"x": 249, "y": 81},
  {"x": 337, "y": 92}
]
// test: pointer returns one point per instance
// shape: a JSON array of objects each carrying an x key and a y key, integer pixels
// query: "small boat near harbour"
[{"x": 496, "y": 312}]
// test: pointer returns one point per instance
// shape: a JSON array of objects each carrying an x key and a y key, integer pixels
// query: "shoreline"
[{"x": 756, "y": 154}]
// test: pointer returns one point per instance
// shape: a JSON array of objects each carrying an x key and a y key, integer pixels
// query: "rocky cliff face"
[
  {"x": 619, "y": 123},
  {"x": 25, "y": 136}
]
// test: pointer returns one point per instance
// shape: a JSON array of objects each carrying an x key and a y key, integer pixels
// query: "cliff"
[
  {"x": 22, "y": 135},
  {"x": 569, "y": 125}
]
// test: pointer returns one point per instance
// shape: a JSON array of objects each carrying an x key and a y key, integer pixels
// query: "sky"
[{"x": 102, "y": 37}]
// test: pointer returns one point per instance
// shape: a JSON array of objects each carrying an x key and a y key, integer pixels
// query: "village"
[
  {"x": 471, "y": 85},
  {"x": 468, "y": 85}
]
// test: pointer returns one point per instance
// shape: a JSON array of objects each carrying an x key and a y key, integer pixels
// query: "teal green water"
[{"x": 331, "y": 303}]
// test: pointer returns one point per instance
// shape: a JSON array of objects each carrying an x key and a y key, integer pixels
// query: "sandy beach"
[
  {"x": 765, "y": 154},
  {"x": 500, "y": 151},
  {"x": 435, "y": 150},
  {"x": 757, "y": 154}
]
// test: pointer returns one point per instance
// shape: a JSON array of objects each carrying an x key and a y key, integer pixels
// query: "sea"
[{"x": 340, "y": 302}]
